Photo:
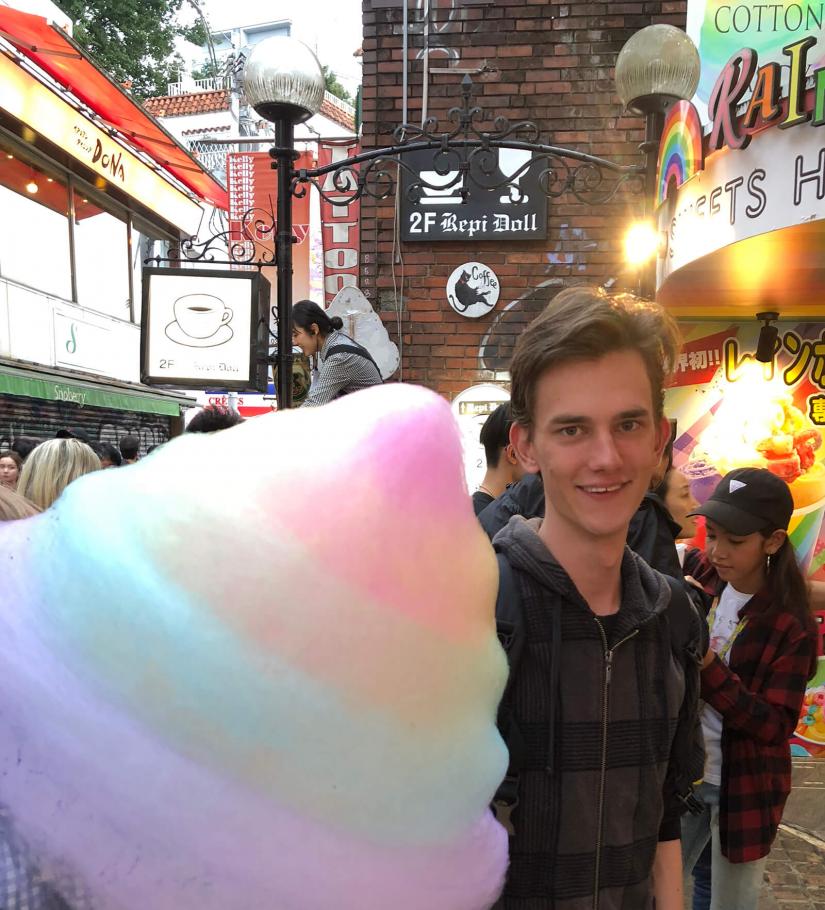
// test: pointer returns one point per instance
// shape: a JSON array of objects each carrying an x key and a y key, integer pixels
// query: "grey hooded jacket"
[{"x": 593, "y": 798}]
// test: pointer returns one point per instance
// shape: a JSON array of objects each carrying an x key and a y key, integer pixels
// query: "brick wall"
[{"x": 548, "y": 62}]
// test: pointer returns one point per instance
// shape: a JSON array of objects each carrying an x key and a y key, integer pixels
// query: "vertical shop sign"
[
  {"x": 253, "y": 200},
  {"x": 340, "y": 221}
]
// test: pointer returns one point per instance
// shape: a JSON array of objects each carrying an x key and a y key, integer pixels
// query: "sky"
[{"x": 332, "y": 28}]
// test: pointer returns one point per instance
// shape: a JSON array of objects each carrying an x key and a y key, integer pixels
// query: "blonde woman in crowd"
[
  {"x": 14, "y": 506},
  {"x": 52, "y": 466}
]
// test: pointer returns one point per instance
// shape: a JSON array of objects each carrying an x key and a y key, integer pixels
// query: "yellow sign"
[{"x": 50, "y": 116}]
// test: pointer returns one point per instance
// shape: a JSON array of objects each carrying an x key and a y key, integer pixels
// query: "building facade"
[
  {"x": 90, "y": 185},
  {"x": 551, "y": 63}
]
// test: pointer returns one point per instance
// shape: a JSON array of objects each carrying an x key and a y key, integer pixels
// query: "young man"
[
  {"x": 596, "y": 694},
  {"x": 503, "y": 467}
]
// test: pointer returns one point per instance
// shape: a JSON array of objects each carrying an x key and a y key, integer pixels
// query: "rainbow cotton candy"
[{"x": 259, "y": 670}]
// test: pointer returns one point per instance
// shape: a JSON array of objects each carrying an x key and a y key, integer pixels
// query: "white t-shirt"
[{"x": 724, "y": 624}]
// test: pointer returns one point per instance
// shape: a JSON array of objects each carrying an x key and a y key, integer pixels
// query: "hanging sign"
[
  {"x": 340, "y": 217},
  {"x": 473, "y": 289},
  {"x": 203, "y": 329},
  {"x": 454, "y": 208}
]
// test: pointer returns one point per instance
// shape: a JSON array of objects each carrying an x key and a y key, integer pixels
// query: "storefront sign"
[
  {"x": 49, "y": 115},
  {"x": 765, "y": 103},
  {"x": 455, "y": 211},
  {"x": 204, "y": 328},
  {"x": 719, "y": 28},
  {"x": 777, "y": 182},
  {"x": 473, "y": 289},
  {"x": 732, "y": 411},
  {"x": 471, "y": 408},
  {"x": 340, "y": 219}
]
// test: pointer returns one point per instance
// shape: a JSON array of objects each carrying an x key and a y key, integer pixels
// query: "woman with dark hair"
[
  {"x": 762, "y": 652},
  {"x": 11, "y": 464},
  {"x": 341, "y": 364}
]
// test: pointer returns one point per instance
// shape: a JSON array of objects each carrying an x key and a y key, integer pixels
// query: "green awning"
[{"x": 56, "y": 388}]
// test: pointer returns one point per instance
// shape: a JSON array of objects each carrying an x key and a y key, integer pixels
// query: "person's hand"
[
  {"x": 708, "y": 658},
  {"x": 692, "y": 581}
]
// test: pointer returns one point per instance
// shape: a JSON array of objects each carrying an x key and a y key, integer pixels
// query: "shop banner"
[
  {"x": 340, "y": 221},
  {"x": 253, "y": 200},
  {"x": 775, "y": 183},
  {"x": 719, "y": 29},
  {"x": 732, "y": 411}
]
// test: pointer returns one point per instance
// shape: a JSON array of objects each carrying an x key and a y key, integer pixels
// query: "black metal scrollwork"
[
  {"x": 469, "y": 155},
  {"x": 465, "y": 155}
]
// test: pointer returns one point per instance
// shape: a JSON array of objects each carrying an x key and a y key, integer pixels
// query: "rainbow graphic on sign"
[{"x": 680, "y": 148}]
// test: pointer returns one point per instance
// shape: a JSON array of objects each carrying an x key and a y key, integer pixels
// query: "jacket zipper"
[{"x": 608, "y": 670}]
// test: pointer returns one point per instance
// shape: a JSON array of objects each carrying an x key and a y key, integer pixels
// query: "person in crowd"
[
  {"x": 52, "y": 466},
  {"x": 342, "y": 365},
  {"x": 109, "y": 455},
  {"x": 213, "y": 418},
  {"x": 10, "y": 466},
  {"x": 14, "y": 506},
  {"x": 67, "y": 433},
  {"x": 503, "y": 467},
  {"x": 587, "y": 396},
  {"x": 675, "y": 492},
  {"x": 24, "y": 445},
  {"x": 129, "y": 447},
  {"x": 762, "y": 652}
]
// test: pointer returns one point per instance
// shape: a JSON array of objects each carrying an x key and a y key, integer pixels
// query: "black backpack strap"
[
  {"x": 510, "y": 628},
  {"x": 689, "y": 639},
  {"x": 353, "y": 348}
]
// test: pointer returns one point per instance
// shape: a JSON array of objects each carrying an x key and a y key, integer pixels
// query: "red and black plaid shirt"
[{"x": 759, "y": 694}]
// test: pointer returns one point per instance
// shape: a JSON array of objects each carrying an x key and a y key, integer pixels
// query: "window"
[
  {"x": 34, "y": 227},
  {"x": 101, "y": 256}
]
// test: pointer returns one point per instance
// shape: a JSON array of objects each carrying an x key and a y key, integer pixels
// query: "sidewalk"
[
  {"x": 795, "y": 874},
  {"x": 795, "y": 877}
]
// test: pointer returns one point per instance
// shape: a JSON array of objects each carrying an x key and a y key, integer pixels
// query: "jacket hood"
[{"x": 645, "y": 592}]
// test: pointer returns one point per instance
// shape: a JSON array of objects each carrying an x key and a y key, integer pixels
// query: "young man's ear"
[
  {"x": 663, "y": 437},
  {"x": 523, "y": 447}
]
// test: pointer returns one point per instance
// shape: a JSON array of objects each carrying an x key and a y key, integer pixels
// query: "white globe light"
[
  {"x": 283, "y": 78},
  {"x": 657, "y": 66}
]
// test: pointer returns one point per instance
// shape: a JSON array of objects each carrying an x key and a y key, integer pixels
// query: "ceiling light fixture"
[{"x": 768, "y": 337}]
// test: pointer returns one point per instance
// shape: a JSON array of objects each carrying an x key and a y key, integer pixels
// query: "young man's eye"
[
  {"x": 569, "y": 432},
  {"x": 628, "y": 426}
]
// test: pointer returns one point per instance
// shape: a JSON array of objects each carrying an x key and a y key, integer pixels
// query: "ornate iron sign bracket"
[{"x": 465, "y": 154}]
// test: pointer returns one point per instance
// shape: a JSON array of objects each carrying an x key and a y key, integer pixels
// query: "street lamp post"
[
  {"x": 284, "y": 83},
  {"x": 657, "y": 66}
]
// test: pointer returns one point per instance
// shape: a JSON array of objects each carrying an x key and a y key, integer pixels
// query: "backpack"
[
  {"x": 358, "y": 350},
  {"x": 689, "y": 639}
]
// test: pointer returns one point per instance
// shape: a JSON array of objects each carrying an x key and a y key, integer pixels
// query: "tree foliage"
[
  {"x": 133, "y": 40},
  {"x": 334, "y": 87}
]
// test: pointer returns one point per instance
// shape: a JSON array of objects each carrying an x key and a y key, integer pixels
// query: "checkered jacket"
[
  {"x": 759, "y": 694},
  {"x": 340, "y": 373},
  {"x": 25, "y": 886}
]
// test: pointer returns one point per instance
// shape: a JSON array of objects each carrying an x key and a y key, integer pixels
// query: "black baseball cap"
[{"x": 748, "y": 500}]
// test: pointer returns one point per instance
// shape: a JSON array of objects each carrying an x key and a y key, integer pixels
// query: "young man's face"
[{"x": 595, "y": 441}]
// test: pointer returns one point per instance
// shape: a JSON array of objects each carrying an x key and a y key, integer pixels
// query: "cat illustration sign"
[{"x": 473, "y": 289}]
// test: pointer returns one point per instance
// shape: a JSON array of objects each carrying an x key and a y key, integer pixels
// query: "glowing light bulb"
[
  {"x": 32, "y": 187},
  {"x": 641, "y": 243}
]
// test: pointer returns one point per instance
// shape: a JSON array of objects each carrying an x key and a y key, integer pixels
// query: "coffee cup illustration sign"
[
  {"x": 201, "y": 321},
  {"x": 473, "y": 289}
]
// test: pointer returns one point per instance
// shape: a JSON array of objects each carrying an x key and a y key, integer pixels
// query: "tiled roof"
[
  {"x": 192, "y": 103},
  {"x": 334, "y": 113},
  {"x": 206, "y": 129}
]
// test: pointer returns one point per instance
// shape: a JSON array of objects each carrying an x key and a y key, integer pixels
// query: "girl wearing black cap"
[{"x": 762, "y": 652}]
